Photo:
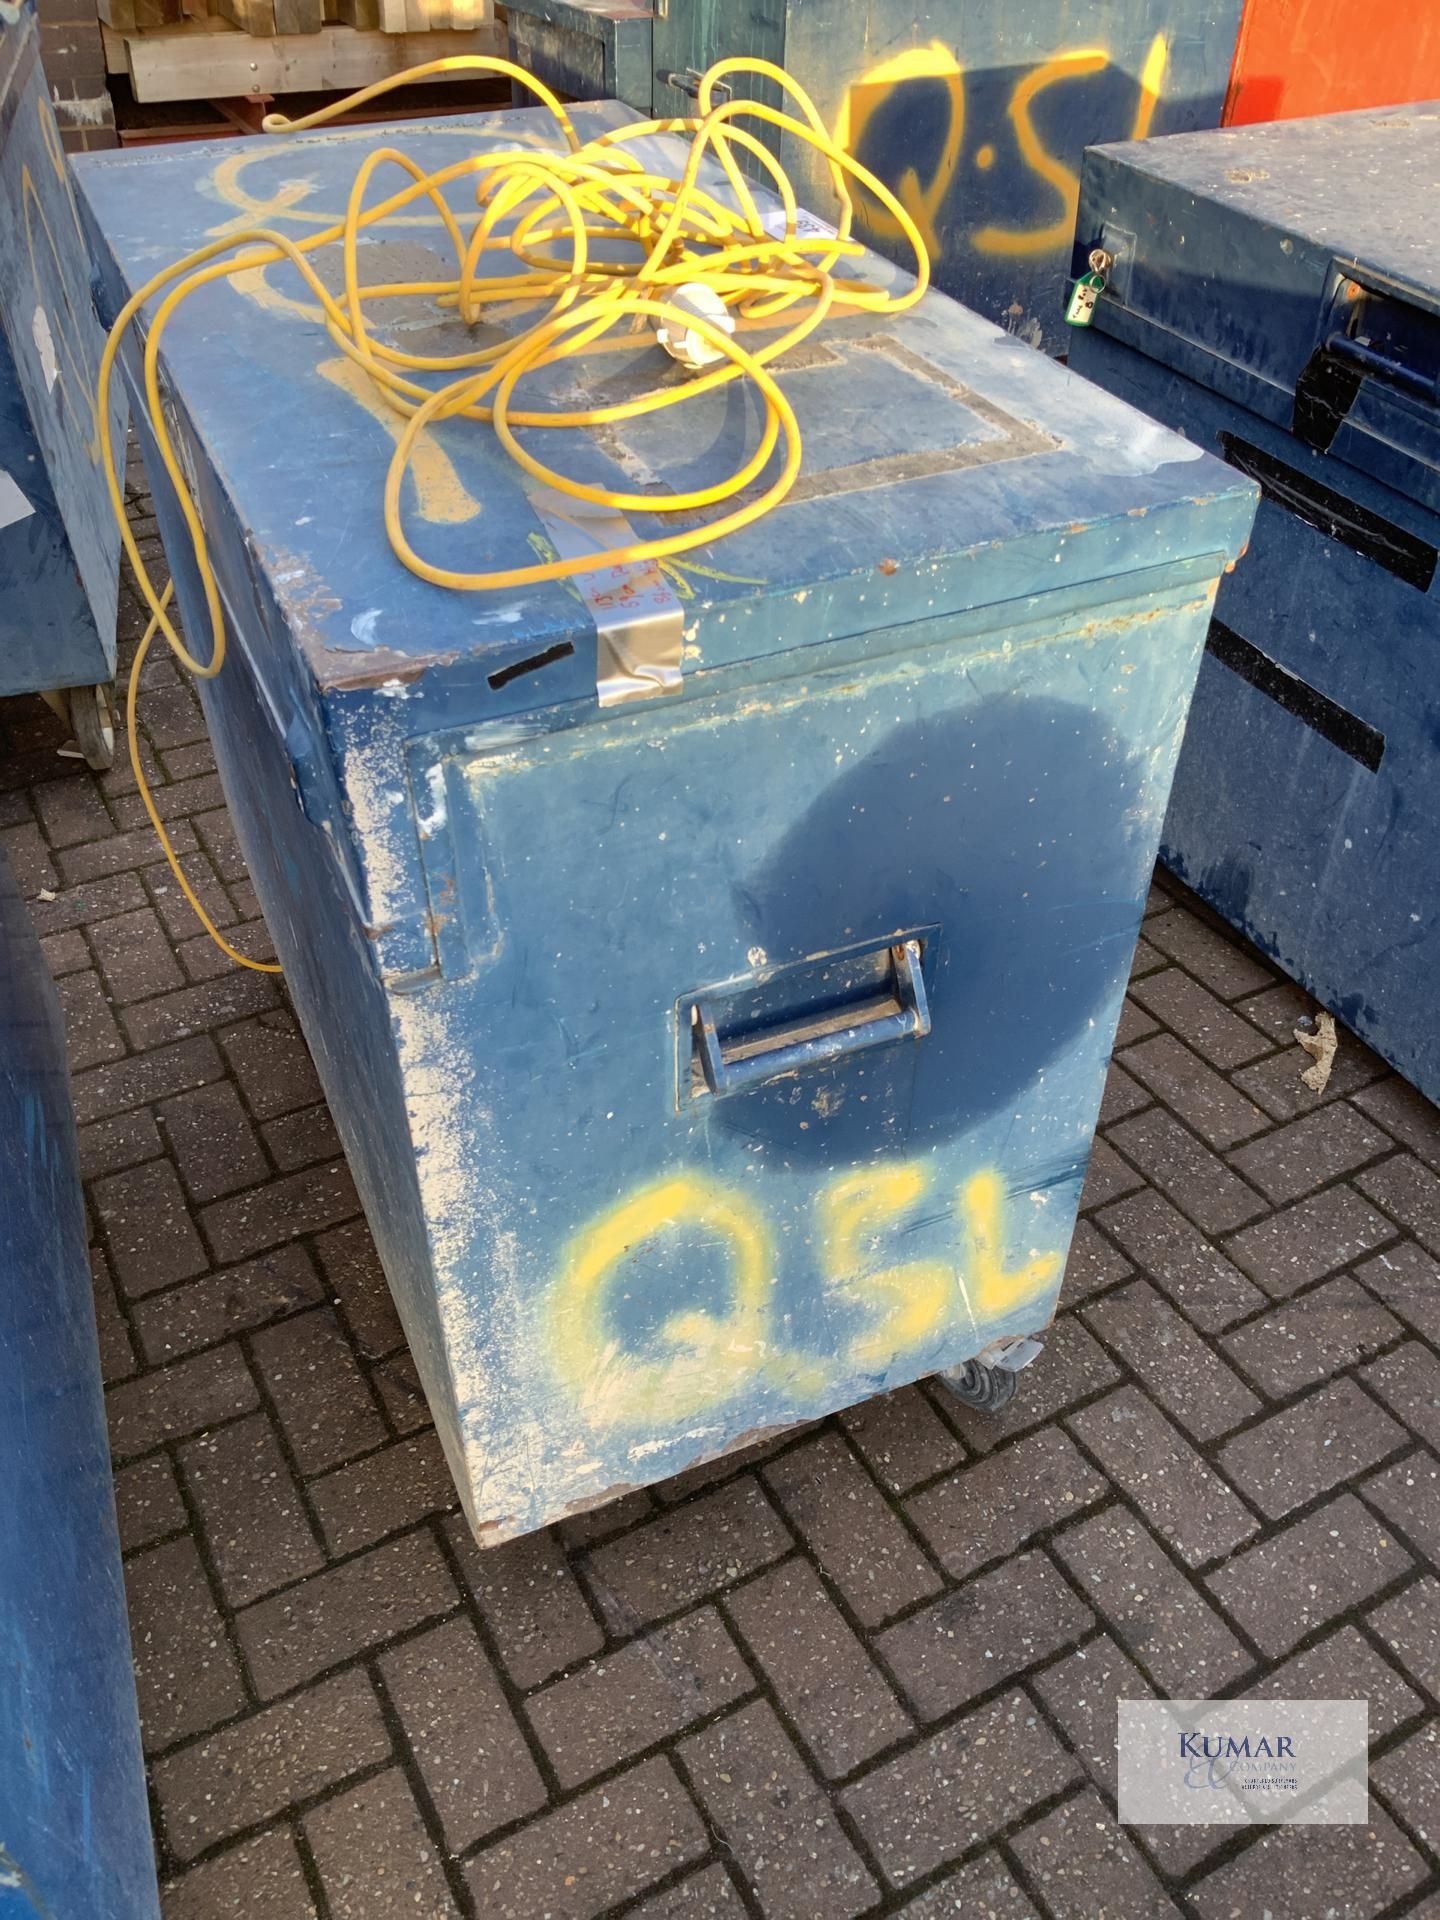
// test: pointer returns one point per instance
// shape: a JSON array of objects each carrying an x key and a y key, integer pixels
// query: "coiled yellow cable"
[{"x": 552, "y": 212}]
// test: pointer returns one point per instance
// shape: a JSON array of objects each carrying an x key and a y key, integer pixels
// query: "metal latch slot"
[{"x": 687, "y": 81}]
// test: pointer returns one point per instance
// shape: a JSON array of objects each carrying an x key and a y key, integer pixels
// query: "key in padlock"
[{"x": 1080, "y": 308}]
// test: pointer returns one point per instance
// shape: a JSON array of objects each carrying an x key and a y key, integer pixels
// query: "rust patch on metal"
[
  {"x": 752, "y": 1437},
  {"x": 307, "y": 603},
  {"x": 1123, "y": 622},
  {"x": 573, "y": 1508}
]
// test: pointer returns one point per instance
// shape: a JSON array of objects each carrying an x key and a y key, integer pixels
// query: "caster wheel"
[
  {"x": 94, "y": 725},
  {"x": 976, "y": 1385}
]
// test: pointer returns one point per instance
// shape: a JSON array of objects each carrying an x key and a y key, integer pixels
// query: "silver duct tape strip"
[{"x": 638, "y": 618}]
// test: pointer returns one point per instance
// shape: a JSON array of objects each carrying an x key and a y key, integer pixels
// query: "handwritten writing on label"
[
  {"x": 808, "y": 226},
  {"x": 700, "y": 1358}
]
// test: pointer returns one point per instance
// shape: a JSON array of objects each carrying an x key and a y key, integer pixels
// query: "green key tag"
[{"x": 1080, "y": 308}]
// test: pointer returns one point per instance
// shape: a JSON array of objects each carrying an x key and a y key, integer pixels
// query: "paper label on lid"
[{"x": 808, "y": 226}]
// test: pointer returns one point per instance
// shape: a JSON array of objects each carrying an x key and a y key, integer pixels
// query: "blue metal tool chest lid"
[
  {"x": 1292, "y": 267},
  {"x": 942, "y": 461}
]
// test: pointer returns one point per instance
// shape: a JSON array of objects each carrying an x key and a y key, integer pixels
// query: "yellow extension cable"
[{"x": 569, "y": 200}]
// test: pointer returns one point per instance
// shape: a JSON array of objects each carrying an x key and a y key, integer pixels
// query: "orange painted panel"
[{"x": 1297, "y": 57}]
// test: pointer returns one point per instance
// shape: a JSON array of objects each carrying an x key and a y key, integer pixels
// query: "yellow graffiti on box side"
[
  {"x": 925, "y": 200},
  {"x": 1152, "y": 78},
  {"x": 252, "y": 282},
  {"x": 678, "y": 573},
  {"x": 853, "y": 1210},
  {"x": 442, "y": 497},
  {"x": 283, "y": 203},
  {"x": 55, "y": 153},
  {"x": 995, "y": 1288},
  {"x": 699, "y": 1360},
  {"x": 227, "y": 184},
  {"x": 1065, "y": 181},
  {"x": 935, "y": 62},
  {"x": 710, "y": 1356}
]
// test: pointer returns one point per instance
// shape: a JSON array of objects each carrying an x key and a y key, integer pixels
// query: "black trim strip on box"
[
  {"x": 504, "y": 675},
  {"x": 1332, "y": 722},
  {"x": 1371, "y": 535}
]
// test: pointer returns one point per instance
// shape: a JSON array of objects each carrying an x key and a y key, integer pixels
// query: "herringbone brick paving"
[{"x": 869, "y": 1669}]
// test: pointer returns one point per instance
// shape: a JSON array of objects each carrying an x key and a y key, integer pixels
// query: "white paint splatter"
[
  {"x": 383, "y": 832},
  {"x": 482, "y": 1281},
  {"x": 45, "y": 347},
  {"x": 93, "y": 111},
  {"x": 1137, "y": 446},
  {"x": 363, "y": 625},
  {"x": 13, "y": 504},
  {"x": 430, "y": 823}
]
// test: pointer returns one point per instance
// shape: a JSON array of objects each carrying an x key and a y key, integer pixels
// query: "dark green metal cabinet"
[
  {"x": 588, "y": 49},
  {"x": 975, "y": 112}
]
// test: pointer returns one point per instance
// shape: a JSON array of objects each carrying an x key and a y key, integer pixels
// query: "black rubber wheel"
[
  {"x": 976, "y": 1385},
  {"x": 94, "y": 725}
]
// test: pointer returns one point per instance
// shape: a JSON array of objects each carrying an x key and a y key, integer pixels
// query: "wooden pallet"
[{"x": 211, "y": 59}]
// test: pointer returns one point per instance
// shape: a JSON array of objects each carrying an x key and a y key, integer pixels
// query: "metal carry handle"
[
  {"x": 1344, "y": 359},
  {"x": 743, "y": 1061},
  {"x": 1420, "y": 383}
]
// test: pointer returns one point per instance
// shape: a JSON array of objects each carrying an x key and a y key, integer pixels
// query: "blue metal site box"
[
  {"x": 1276, "y": 297},
  {"x": 59, "y": 547},
  {"x": 74, "y": 1822},
  {"x": 974, "y": 112},
  {"x": 715, "y": 1048}
]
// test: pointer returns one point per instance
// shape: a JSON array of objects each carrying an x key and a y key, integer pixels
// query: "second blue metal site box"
[
  {"x": 975, "y": 112},
  {"x": 1276, "y": 297},
  {"x": 59, "y": 545},
  {"x": 74, "y": 1823},
  {"x": 713, "y": 973}
]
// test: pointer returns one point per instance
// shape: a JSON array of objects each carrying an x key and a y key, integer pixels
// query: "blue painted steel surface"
[
  {"x": 74, "y": 1822},
  {"x": 1277, "y": 298},
  {"x": 935, "y": 697},
  {"x": 975, "y": 112},
  {"x": 59, "y": 548}
]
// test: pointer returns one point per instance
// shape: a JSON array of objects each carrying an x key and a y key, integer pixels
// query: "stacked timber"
[
  {"x": 237, "y": 49},
  {"x": 264, "y": 18}
]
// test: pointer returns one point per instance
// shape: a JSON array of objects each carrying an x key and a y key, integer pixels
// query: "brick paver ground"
[{"x": 872, "y": 1671}]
